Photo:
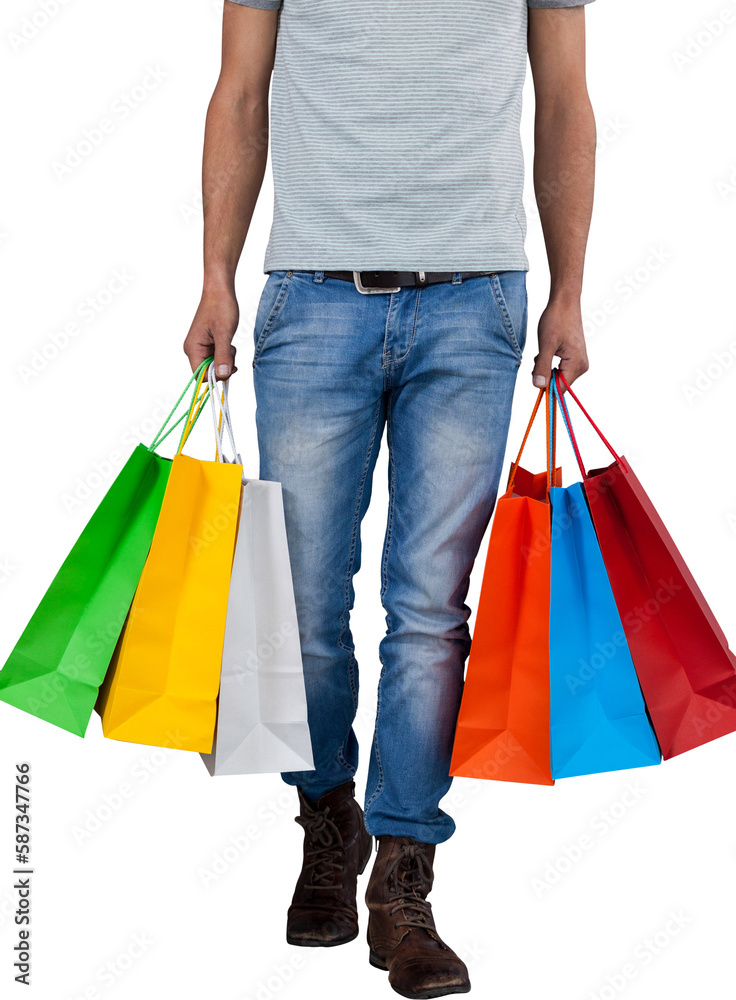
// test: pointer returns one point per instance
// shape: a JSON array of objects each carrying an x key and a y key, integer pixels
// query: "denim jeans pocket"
[
  {"x": 509, "y": 291},
  {"x": 270, "y": 305}
]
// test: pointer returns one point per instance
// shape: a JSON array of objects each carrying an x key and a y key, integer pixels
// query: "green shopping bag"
[{"x": 58, "y": 664}]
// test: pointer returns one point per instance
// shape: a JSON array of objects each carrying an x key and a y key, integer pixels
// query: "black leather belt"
[{"x": 372, "y": 282}]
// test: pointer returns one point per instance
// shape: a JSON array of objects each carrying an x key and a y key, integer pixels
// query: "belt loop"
[
  {"x": 457, "y": 277},
  {"x": 319, "y": 276}
]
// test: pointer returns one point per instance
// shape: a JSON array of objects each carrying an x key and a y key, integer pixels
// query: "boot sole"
[
  {"x": 378, "y": 963},
  {"x": 426, "y": 994},
  {"x": 310, "y": 943}
]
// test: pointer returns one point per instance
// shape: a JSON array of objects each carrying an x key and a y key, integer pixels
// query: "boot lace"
[
  {"x": 324, "y": 848},
  {"x": 405, "y": 875}
]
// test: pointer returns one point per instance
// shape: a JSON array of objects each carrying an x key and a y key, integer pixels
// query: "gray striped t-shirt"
[{"x": 395, "y": 140}]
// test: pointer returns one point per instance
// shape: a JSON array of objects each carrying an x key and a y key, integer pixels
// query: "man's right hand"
[
  {"x": 235, "y": 153},
  {"x": 212, "y": 331}
]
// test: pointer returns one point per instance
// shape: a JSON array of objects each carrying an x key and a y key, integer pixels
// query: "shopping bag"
[
  {"x": 262, "y": 721},
  {"x": 686, "y": 670},
  {"x": 502, "y": 729},
  {"x": 598, "y": 719},
  {"x": 60, "y": 660},
  {"x": 161, "y": 688}
]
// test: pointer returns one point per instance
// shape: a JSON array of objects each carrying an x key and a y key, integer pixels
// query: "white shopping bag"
[{"x": 262, "y": 706}]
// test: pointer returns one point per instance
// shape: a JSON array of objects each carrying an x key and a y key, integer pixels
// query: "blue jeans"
[{"x": 438, "y": 367}]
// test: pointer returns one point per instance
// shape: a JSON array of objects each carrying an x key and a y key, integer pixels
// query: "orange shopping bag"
[{"x": 503, "y": 725}]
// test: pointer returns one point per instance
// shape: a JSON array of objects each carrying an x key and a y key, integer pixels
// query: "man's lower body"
[{"x": 437, "y": 367}]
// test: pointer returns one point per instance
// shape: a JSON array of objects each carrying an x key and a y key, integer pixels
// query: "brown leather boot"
[
  {"x": 402, "y": 936},
  {"x": 337, "y": 847}
]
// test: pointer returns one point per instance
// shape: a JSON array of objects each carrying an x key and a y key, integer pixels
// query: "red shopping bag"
[
  {"x": 502, "y": 729},
  {"x": 686, "y": 670}
]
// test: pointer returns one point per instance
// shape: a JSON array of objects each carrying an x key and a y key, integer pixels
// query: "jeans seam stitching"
[
  {"x": 384, "y": 586},
  {"x": 414, "y": 327},
  {"x": 344, "y": 762},
  {"x": 391, "y": 504},
  {"x": 386, "y": 351},
  {"x": 505, "y": 315},
  {"x": 351, "y": 680},
  {"x": 380, "y": 783},
  {"x": 272, "y": 316},
  {"x": 351, "y": 557}
]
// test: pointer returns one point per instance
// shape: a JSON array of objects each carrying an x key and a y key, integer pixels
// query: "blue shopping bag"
[{"x": 598, "y": 717}]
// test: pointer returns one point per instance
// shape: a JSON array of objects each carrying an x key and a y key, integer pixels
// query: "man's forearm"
[
  {"x": 564, "y": 175},
  {"x": 234, "y": 162}
]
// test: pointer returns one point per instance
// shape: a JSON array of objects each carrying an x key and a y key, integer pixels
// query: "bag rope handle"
[
  {"x": 563, "y": 406},
  {"x": 551, "y": 442},
  {"x": 515, "y": 466},
  {"x": 557, "y": 395},
  {"x": 195, "y": 409},
  {"x": 224, "y": 416},
  {"x": 163, "y": 433}
]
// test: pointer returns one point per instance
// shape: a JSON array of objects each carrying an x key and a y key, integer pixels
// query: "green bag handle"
[
  {"x": 192, "y": 414},
  {"x": 195, "y": 408}
]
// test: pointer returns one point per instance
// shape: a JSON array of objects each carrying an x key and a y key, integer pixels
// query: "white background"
[{"x": 658, "y": 300}]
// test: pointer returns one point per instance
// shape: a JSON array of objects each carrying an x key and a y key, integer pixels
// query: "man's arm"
[
  {"x": 234, "y": 162},
  {"x": 564, "y": 173}
]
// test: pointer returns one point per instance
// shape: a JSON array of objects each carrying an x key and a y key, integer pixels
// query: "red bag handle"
[{"x": 557, "y": 375}]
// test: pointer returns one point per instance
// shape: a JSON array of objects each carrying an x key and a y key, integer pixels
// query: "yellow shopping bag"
[{"x": 162, "y": 685}]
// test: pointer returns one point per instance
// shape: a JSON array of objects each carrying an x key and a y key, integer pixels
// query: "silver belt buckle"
[{"x": 371, "y": 291}]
